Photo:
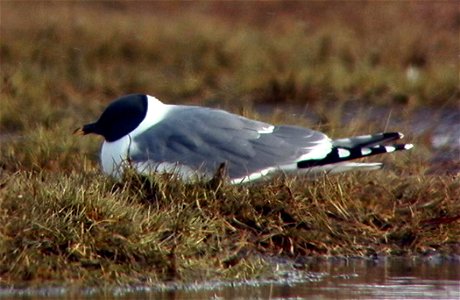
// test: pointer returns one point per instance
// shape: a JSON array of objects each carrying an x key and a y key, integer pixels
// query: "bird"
[{"x": 143, "y": 133}]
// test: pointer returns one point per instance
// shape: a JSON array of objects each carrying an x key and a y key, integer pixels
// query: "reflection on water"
[
  {"x": 394, "y": 278},
  {"x": 309, "y": 278}
]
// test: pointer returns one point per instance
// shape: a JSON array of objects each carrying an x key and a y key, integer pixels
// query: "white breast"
[
  {"x": 114, "y": 155},
  {"x": 115, "y": 158}
]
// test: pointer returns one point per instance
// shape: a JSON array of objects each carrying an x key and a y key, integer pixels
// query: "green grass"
[
  {"x": 62, "y": 221},
  {"x": 81, "y": 227}
]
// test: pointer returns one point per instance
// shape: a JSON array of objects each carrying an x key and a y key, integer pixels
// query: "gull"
[{"x": 192, "y": 142}]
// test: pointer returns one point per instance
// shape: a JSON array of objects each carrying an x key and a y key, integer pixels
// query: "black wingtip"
[
  {"x": 341, "y": 154},
  {"x": 392, "y": 135}
]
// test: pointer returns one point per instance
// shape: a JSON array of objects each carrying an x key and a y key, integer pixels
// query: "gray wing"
[{"x": 203, "y": 138}]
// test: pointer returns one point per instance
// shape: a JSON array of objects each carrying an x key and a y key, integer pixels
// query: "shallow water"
[
  {"x": 333, "y": 278},
  {"x": 341, "y": 278}
]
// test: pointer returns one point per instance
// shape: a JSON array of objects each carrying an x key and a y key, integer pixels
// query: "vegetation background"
[{"x": 344, "y": 68}]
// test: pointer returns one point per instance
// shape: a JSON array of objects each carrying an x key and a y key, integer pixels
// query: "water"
[
  {"x": 311, "y": 278},
  {"x": 342, "y": 279}
]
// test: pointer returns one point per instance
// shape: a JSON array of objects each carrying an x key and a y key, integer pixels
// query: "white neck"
[{"x": 156, "y": 111}]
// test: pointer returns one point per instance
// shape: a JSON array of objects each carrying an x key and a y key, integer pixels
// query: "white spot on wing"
[
  {"x": 408, "y": 146},
  {"x": 365, "y": 151},
  {"x": 343, "y": 152},
  {"x": 389, "y": 148}
]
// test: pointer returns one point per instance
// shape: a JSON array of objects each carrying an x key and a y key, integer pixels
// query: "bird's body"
[{"x": 193, "y": 141}]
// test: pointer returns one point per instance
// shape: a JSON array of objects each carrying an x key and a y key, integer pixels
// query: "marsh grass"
[
  {"x": 78, "y": 226},
  {"x": 62, "y": 221}
]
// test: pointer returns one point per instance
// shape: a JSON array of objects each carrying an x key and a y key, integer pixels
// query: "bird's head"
[{"x": 119, "y": 118}]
